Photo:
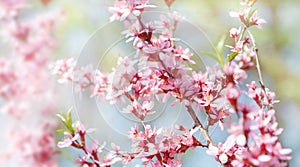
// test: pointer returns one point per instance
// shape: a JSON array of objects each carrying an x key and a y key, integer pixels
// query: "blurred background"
[{"x": 278, "y": 43}]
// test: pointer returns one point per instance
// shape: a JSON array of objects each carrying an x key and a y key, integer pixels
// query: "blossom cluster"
[
  {"x": 75, "y": 136},
  {"x": 160, "y": 69},
  {"x": 24, "y": 75},
  {"x": 253, "y": 139}
]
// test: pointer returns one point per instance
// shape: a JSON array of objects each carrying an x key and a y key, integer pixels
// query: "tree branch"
[{"x": 203, "y": 131}]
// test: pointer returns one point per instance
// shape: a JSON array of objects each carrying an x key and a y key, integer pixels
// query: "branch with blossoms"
[
  {"x": 253, "y": 141},
  {"x": 160, "y": 70},
  {"x": 75, "y": 136}
]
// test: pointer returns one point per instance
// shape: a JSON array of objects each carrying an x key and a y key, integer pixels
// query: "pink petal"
[
  {"x": 285, "y": 151},
  {"x": 241, "y": 140},
  {"x": 223, "y": 158},
  {"x": 264, "y": 158}
]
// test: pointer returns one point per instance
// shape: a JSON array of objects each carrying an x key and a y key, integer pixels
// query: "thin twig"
[
  {"x": 203, "y": 131},
  {"x": 261, "y": 82}
]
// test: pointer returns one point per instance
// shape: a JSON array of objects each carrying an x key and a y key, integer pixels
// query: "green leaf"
[
  {"x": 69, "y": 127},
  {"x": 67, "y": 120},
  {"x": 61, "y": 117},
  {"x": 219, "y": 50},
  {"x": 220, "y": 45},
  {"x": 69, "y": 117},
  {"x": 232, "y": 56},
  {"x": 61, "y": 130},
  {"x": 218, "y": 55},
  {"x": 211, "y": 55}
]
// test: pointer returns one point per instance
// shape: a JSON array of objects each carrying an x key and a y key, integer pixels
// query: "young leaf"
[
  {"x": 220, "y": 45},
  {"x": 69, "y": 113},
  {"x": 219, "y": 50},
  {"x": 232, "y": 56},
  {"x": 67, "y": 120},
  {"x": 61, "y": 117},
  {"x": 211, "y": 55},
  {"x": 218, "y": 55},
  {"x": 61, "y": 130}
]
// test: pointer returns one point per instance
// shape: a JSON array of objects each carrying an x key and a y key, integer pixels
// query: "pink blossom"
[
  {"x": 68, "y": 140},
  {"x": 248, "y": 2},
  {"x": 147, "y": 105},
  {"x": 185, "y": 54},
  {"x": 248, "y": 18},
  {"x": 122, "y": 9},
  {"x": 234, "y": 32},
  {"x": 234, "y": 73},
  {"x": 232, "y": 95},
  {"x": 110, "y": 159},
  {"x": 101, "y": 83},
  {"x": 65, "y": 68}
]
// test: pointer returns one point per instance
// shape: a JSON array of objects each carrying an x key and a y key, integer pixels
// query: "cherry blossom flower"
[
  {"x": 248, "y": 17},
  {"x": 234, "y": 32},
  {"x": 65, "y": 68},
  {"x": 234, "y": 73},
  {"x": 122, "y": 9},
  {"x": 248, "y": 2},
  {"x": 68, "y": 140},
  {"x": 232, "y": 95}
]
